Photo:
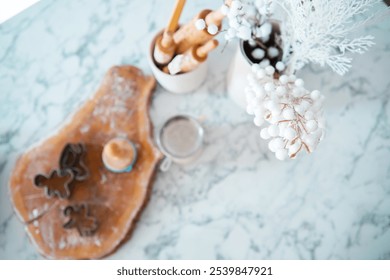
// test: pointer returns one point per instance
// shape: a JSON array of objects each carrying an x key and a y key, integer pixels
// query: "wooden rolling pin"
[
  {"x": 165, "y": 46},
  {"x": 192, "y": 58},
  {"x": 188, "y": 35}
]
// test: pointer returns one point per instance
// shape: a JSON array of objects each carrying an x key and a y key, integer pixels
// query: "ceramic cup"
[
  {"x": 180, "y": 83},
  {"x": 180, "y": 139}
]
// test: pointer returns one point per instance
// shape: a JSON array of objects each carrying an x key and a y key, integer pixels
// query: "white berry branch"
[{"x": 293, "y": 114}]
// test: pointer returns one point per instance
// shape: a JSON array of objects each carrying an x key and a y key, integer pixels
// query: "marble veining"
[{"x": 237, "y": 201}]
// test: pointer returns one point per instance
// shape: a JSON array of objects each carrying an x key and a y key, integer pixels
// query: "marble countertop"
[{"x": 238, "y": 201}]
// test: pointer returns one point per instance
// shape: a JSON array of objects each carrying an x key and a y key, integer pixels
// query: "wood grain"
[{"x": 118, "y": 108}]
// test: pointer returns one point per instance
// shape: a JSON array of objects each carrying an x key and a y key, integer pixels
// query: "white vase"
[{"x": 239, "y": 69}]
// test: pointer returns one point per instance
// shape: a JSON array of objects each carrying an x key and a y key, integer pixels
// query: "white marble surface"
[{"x": 237, "y": 202}]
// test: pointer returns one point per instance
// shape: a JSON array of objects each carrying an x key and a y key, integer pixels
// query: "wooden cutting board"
[{"x": 118, "y": 109}]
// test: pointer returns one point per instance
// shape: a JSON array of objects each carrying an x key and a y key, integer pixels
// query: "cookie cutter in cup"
[{"x": 180, "y": 139}]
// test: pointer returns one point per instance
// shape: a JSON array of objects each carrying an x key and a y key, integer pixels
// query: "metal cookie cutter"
[
  {"x": 80, "y": 219},
  {"x": 181, "y": 140},
  {"x": 72, "y": 157},
  {"x": 58, "y": 183}
]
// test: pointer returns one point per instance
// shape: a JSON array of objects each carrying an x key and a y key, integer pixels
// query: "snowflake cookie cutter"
[
  {"x": 80, "y": 218},
  {"x": 58, "y": 183}
]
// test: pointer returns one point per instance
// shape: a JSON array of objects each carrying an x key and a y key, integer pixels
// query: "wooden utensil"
[
  {"x": 165, "y": 45},
  {"x": 188, "y": 35},
  {"x": 191, "y": 58}
]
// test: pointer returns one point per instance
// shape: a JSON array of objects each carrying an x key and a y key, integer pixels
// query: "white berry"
[
  {"x": 235, "y": 5},
  {"x": 297, "y": 92},
  {"x": 280, "y": 66},
  {"x": 289, "y": 133},
  {"x": 251, "y": 79},
  {"x": 264, "y": 63},
  {"x": 299, "y": 109},
  {"x": 283, "y": 79},
  {"x": 282, "y": 128},
  {"x": 269, "y": 86},
  {"x": 273, "y": 107},
  {"x": 260, "y": 73},
  {"x": 200, "y": 24},
  {"x": 311, "y": 140},
  {"x": 273, "y": 52},
  {"x": 250, "y": 109},
  {"x": 258, "y": 53},
  {"x": 212, "y": 29},
  {"x": 264, "y": 133},
  {"x": 244, "y": 32},
  {"x": 299, "y": 83},
  {"x": 259, "y": 112},
  {"x": 259, "y": 91},
  {"x": 233, "y": 22},
  {"x": 265, "y": 39},
  {"x": 315, "y": 94},
  {"x": 266, "y": 29},
  {"x": 278, "y": 143},
  {"x": 249, "y": 11},
  {"x": 281, "y": 90},
  {"x": 309, "y": 115},
  {"x": 271, "y": 146},
  {"x": 273, "y": 130},
  {"x": 288, "y": 114},
  {"x": 292, "y": 78},
  {"x": 293, "y": 149},
  {"x": 252, "y": 43},
  {"x": 281, "y": 154},
  {"x": 270, "y": 70},
  {"x": 255, "y": 102},
  {"x": 232, "y": 32},
  {"x": 311, "y": 125},
  {"x": 258, "y": 121}
]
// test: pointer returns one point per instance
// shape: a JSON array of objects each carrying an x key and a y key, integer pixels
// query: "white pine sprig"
[
  {"x": 318, "y": 31},
  {"x": 291, "y": 116}
]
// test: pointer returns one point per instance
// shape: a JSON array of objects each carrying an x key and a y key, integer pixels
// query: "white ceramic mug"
[{"x": 180, "y": 83}]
